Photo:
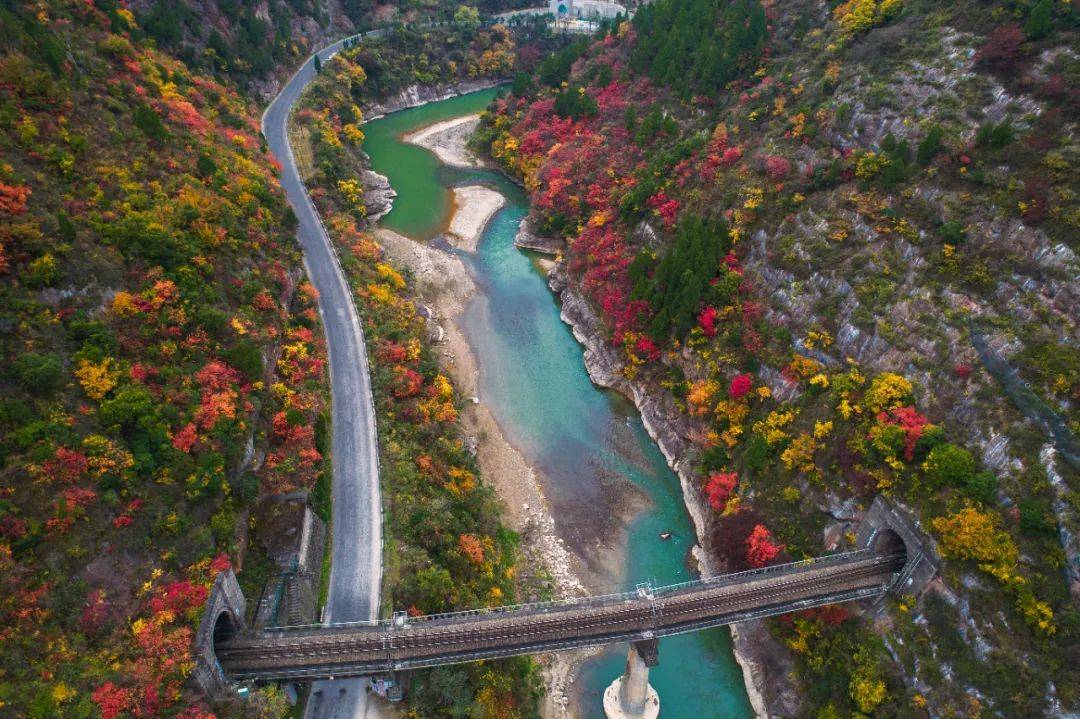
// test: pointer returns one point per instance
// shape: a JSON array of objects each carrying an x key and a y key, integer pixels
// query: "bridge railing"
[
  {"x": 644, "y": 591},
  {"x": 750, "y": 574}
]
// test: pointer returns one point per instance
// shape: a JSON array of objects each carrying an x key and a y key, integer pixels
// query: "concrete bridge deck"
[{"x": 365, "y": 648}]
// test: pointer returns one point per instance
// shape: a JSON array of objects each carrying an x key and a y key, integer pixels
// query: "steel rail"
[{"x": 361, "y": 668}]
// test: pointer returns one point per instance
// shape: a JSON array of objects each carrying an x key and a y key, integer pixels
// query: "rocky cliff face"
[
  {"x": 880, "y": 290},
  {"x": 417, "y": 95}
]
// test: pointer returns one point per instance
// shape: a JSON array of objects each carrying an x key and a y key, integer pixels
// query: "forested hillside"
[
  {"x": 252, "y": 40},
  {"x": 817, "y": 235},
  {"x": 162, "y": 361}
]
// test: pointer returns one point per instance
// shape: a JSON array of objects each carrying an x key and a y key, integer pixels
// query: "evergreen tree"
[
  {"x": 930, "y": 146},
  {"x": 682, "y": 281},
  {"x": 1041, "y": 20}
]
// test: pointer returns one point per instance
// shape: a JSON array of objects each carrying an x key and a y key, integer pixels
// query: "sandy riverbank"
[
  {"x": 474, "y": 206},
  {"x": 445, "y": 285},
  {"x": 449, "y": 140}
]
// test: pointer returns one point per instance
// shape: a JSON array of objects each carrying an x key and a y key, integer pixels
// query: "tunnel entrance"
[
  {"x": 225, "y": 628},
  {"x": 888, "y": 542},
  {"x": 222, "y": 621}
]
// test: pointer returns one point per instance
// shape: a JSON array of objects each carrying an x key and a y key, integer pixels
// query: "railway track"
[{"x": 367, "y": 648}]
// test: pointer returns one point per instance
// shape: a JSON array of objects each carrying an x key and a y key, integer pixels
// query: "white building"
[{"x": 584, "y": 9}]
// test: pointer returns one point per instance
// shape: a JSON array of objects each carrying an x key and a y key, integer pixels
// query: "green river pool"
[{"x": 584, "y": 442}]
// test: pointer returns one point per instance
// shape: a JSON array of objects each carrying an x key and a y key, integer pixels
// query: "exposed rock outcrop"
[
  {"x": 527, "y": 239},
  {"x": 417, "y": 95},
  {"x": 378, "y": 195}
]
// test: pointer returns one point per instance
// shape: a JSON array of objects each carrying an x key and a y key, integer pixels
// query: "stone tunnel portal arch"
[
  {"x": 223, "y": 619},
  {"x": 887, "y": 528}
]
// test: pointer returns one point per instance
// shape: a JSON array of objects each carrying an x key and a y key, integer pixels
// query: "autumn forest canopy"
[{"x": 834, "y": 243}]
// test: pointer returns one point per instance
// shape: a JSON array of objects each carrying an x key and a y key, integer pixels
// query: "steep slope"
[
  {"x": 257, "y": 42},
  {"x": 161, "y": 370},
  {"x": 790, "y": 255}
]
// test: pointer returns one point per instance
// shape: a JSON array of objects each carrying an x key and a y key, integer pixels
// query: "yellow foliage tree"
[
  {"x": 771, "y": 428},
  {"x": 971, "y": 534},
  {"x": 866, "y": 687},
  {"x": 887, "y": 390},
  {"x": 700, "y": 396},
  {"x": 856, "y": 16},
  {"x": 799, "y": 455},
  {"x": 97, "y": 378}
]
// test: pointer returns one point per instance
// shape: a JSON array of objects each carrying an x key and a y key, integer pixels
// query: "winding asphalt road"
[{"x": 356, "y": 568}]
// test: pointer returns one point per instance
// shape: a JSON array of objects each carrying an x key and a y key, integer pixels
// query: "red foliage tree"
[
  {"x": 13, "y": 199},
  {"x": 909, "y": 420},
  {"x": 390, "y": 352},
  {"x": 730, "y": 535},
  {"x": 646, "y": 348},
  {"x": 470, "y": 546},
  {"x": 217, "y": 376},
  {"x": 1003, "y": 47},
  {"x": 718, "y": 489},
  {"x": 740, "y": 385},
  {"x": 112, "y": 700},
  {"x": 665, "y": 207},
  {"x": 760, "y": 547},
  {"x": 178, "y": 597},
  {"x": 184, "y": 440},
  {"x": 408, "y": 382},
  {"x": 707, "y": 321},
  {"x": 66, "y": 466},
  {"x": 776, "y": 167},
  {"x": 219, "y": 564},
  {"x": 732, "y": 155}
]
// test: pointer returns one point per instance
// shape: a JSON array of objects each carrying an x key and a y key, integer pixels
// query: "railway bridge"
[{"x": 892, "y": 555}]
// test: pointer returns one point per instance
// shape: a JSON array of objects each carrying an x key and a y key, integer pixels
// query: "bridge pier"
[{"x": 631, "y": 696}]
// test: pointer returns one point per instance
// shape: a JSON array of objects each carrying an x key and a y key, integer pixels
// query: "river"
[{"x": 587, "y": 444}]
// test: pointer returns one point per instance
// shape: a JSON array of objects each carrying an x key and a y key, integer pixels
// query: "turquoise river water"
[{"x": 587, "y": 444}]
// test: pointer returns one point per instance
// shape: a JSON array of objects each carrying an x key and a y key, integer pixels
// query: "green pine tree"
[{"x": 1041, "y": 20}]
